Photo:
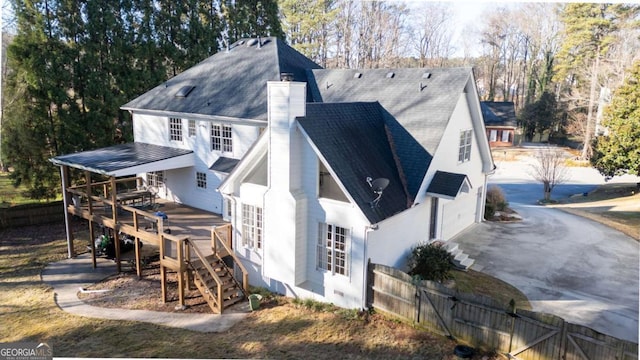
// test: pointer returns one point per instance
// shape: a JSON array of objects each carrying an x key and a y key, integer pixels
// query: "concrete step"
[{"x": 460, "y": 259}]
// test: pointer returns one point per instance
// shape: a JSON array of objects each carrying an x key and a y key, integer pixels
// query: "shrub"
[
  {"x": 489, "y": 211},
  {"x": 431, "y": 262},
  {"x": 496, "y": 198}
]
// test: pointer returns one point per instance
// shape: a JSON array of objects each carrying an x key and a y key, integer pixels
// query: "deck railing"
[
  {"x": 207, "y": 265},
  {"x": 219, "y": 243}
]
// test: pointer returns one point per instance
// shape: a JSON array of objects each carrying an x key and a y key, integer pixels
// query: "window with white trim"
[
  {"x": 494, "y": 135},
  {"x": 505, "y": 135},
  {"x": 191, "y": 128},
  {"x": 333, "y": 245},
  {"x": 175, "y": 129},
  {"x": 221, "y": 138},
  {"x": 464, "y": 153},
  {"x": 251, "y": 226},
  {"x": 155, "y": 178},
  {"x": 201, "y": 180}
]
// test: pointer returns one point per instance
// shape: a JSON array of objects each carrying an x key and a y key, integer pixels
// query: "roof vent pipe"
[{"x": 286, "y": 77}]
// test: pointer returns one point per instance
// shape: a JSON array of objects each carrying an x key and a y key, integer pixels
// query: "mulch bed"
[{"x": 127, "y": 291}]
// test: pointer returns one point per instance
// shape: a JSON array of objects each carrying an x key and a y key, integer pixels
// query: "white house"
[
  {"x": 308, "y": 208},
  {"x": 317, "y": 174}
]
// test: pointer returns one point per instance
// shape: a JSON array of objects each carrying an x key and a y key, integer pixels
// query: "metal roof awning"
[
  {"x": 448, "y": 185},
  {"x": 127, "y": 159}
]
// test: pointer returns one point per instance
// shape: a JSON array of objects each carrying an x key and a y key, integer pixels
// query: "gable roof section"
[
  {"x": 229, "y": 84},
  {"x": 447, "y": 185},
  {"x": 498, "y": 113},
  {"x": 420, "y": 102},
  {"x": 127, "y": 159},
  {"x": 352, "y": 139}
]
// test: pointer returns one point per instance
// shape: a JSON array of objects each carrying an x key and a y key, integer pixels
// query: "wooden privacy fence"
[
  {"x": 483, "y": 323},
  {"x": 31, "y": 214}
]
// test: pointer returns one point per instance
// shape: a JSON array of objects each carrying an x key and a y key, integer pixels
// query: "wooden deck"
[{"x": 182, "y": 220}]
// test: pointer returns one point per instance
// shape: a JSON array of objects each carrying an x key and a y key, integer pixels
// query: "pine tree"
[
  {"x": 618, "y": 152},
  {"x": 589, "y": 33},
  {"x": 252, "y": 18}
]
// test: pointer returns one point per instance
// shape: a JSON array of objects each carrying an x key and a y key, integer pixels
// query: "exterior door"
[{"x": 433, "y": 223}]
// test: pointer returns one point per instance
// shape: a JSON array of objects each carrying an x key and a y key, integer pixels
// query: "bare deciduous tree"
[{"x": 550, "y": 169}]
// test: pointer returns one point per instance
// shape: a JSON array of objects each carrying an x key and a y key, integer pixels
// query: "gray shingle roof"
[
  {"x": 498, "y": 113},
  {"x": 353, "y": 139},
  {"x": 446, "y": 183},
  {"x": 224, "y": 164},
  {"x": 421, "y": 100},
  {"x": 423, "y": 105},
  {"x": 230, "y": 83},
  {"x": 118, "y": 157}
]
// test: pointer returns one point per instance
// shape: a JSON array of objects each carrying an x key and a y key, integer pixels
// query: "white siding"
[
  {"x": 392, "y": 242},
  {"x": 180, "y": 183},
  {"x": 456, "y": 215}
]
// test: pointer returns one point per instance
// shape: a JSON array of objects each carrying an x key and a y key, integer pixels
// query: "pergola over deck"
[{"x": 107, "y": 204}]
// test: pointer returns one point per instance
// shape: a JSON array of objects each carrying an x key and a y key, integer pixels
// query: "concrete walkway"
[{"x": 68, "y": 276}]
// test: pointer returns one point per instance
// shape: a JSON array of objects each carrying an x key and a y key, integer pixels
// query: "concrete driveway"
[{"x": 566, "y": 265}]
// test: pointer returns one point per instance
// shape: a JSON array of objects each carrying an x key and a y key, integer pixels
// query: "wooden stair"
[{"x": 221, "y": 281}]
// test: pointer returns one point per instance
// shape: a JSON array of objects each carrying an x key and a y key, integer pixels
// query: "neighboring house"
[
  {"x": 308, "y": 212},
  {"x": 318, "y": 174},
  {"x": 500, "y": 121}
]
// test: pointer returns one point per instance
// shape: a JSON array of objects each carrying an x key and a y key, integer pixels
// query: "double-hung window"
[
  {"x": 201, "y": 180},
  {"x": 333, "y": 245},
  {"x": 175, "y": 129},
  {"x": 251, "y": 226},
  {"x": 191, "y": 126},
  {"x": 221, "y": 138},
  {"x": 155, "y": 178},
  {"x": 464, "y": 153}
]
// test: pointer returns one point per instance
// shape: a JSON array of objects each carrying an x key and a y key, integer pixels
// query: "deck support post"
[
  {"x": 64, "y": 177},
  {"x": 114, "y": 214},
  {"x": 87, "y": 180}
]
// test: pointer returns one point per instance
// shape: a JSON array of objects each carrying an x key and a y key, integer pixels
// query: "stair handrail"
[
  {"x": 207, "y": 266},
  {"x": 243, "y": 270}
]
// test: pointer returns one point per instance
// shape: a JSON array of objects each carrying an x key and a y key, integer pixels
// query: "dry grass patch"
[
  {"x": 614, "y": 205},
  {"x": 478, "y": 283},
  {"x": 280, "y": 329}
]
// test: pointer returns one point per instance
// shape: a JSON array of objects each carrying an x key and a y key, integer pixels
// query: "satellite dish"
[{"x": 378, "y": 185}]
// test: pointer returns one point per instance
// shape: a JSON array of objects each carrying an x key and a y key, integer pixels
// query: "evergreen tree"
[
  {"x": 539, "y": 115},
  {"x": 252, "y": 18},
  {"x": 589, "y": 33},
  {"x": 75, "y": 62},
  {"x": 32, "y": 122},
  {"x": 307, "y": 25},
  {"x": 619, "y": 151}
]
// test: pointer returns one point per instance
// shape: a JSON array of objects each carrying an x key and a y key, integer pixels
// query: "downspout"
[{"x": 365, "y": 280}]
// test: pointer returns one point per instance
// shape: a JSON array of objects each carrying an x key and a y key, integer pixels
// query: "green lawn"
[{"x": 9, "y": 195}]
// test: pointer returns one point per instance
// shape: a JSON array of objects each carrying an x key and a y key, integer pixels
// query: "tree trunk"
[
  {"x": 586, "y": 146},
  {"x": 547, "y": 191}
]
